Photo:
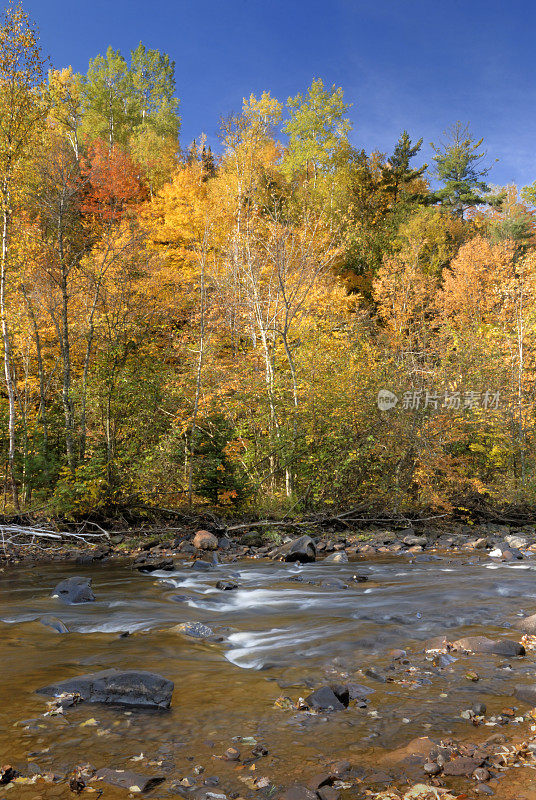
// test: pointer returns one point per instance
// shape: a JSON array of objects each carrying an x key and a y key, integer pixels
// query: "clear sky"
[{"x": 414, "y": 64}]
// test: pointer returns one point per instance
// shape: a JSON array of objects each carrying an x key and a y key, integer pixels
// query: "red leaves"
[{"x": 111, "y": 182}]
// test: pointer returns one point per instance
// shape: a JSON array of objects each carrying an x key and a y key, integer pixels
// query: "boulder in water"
[
  {"x": 195, "y": 629},
  {"x": 226, "y": 586},
  {"x": 527, "y": 625},
  {"x": 302, "y": 549},
  {"x": 74, "y": 590},
  {"x": 128, "y": 687},
  {"x": 336, "y": 558},
  {"x": 324, "y": 699},
  {"x": 481, "y": 644}
]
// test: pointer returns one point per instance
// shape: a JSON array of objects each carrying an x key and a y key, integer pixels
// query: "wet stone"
[
  {"x": 132, "y": 781},
  {"x": 462, "y": 765},
  {"x": 297, "y": 792},
  {"x": 226, "y": 586},
  {"x": 328, "y": 793},
  {"x": 336, "y": 558},
  {"x": 195, "y": 629},
  {"x": 74, "y": 590},
  {"x": 302, "y": 549},
  {"x": 431, "y": 768},
  {"x": 481, "y": 644},
  {"x": 324, "y": 699},
  {"x": 129, "y": 687},
  {"x": 53, "y": 622}
]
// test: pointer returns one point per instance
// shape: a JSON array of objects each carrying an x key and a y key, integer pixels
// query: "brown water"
[{"x": 281, "y": 636}]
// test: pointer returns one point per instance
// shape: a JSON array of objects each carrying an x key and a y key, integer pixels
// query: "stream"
[{"x": 286, "y": 630}]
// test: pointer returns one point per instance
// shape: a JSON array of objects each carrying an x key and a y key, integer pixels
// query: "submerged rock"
[
  {"x": 128, "y": 687},
  {"x": 132, "y": 781},
  {"x": 74, "y": 590},
  {"x": 481, "y": 644},
  {"x": 297, "y": 792},
  {"x": 527, "y": 694},
  {"x": 54, "y": 623},
  {"x": 195, "y": 629},
  {"x": 302, "y": 549}
]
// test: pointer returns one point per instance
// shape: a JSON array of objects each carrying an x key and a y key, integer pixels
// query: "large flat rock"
[{"x": 129, "y": 687}]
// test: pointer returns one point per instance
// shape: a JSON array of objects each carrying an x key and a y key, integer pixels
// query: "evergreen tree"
[
  {"x": 460, "y": 168},
  {"x": 397, "y": 175}
]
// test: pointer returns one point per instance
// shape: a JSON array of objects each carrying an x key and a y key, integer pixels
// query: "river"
[{"x": 283, "y": 632}]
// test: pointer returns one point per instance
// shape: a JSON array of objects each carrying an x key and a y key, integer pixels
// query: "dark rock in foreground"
[
  {"x": 481, "y": 644},
  {"x": 302, "y": 549},
  {"x": 74, "y": 590},
  {"x": 129, "y": 687},
  {"x": 132, "y": 781},
  {"x": 324, "y": 699}
]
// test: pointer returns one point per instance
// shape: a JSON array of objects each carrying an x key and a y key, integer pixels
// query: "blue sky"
[{"x": 414, "y": 64}]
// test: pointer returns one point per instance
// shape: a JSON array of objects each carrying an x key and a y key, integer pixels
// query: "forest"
[{"x": 229, "y": 328}]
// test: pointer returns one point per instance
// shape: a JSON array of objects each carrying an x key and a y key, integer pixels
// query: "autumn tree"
[{"x": 22, "y": 110}]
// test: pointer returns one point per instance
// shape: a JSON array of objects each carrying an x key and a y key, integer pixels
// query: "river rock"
[
  {"x": 132, "y": 781},
  {"x": 200, "y": 565},
  {"x": 74, "y": 590},
  {"x": 415, "y": 541},
  {"x": 481, "y": 644},
  {"x": 336, "y": 558},
  {"x": 128, "y": 687},
  {"x": 297, "y": 792},
  {"x": 324, "y": 699},
  {"x": 357, "y": 691},
  {"x": 463, "y": 765},
  {"x": 333, "y": 583},
  {"x": 515, "y": 541},
  {"x": 328, "y": 793},
  {"x": 54, "y": 623},
  {"x": 527, "y": 694},
  {"x": 203, "y": 540},
  {"x": 195, "y": 629},
  {"x": 302, "y": 549},
  {"x": 527, "y": 625},
  {"x": 226, "y": 586},
  {"x": 147, "y": 563}
]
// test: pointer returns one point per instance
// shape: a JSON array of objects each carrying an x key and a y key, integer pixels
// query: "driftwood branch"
[{"x": 28, "y": 535}]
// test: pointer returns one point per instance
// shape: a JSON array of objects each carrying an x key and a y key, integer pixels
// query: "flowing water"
[{"x": 281, "y": 633}]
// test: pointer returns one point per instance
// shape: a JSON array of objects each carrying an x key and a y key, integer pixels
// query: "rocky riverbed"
[{"x": 322, "y": 667}]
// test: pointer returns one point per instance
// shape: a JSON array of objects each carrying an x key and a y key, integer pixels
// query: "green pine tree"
[{"x": 459, "y": 166}]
